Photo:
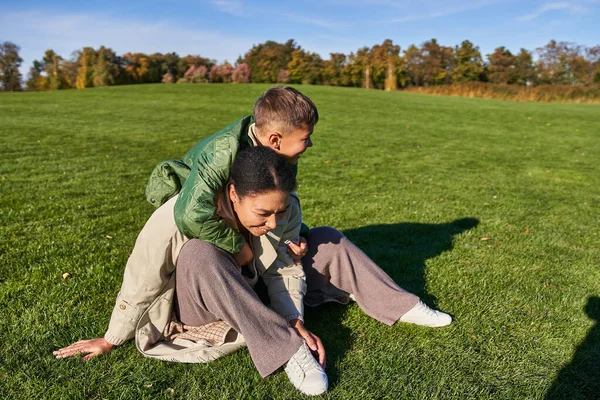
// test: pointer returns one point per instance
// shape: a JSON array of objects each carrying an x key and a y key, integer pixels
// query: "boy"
[{"x": 283, "y": 119}]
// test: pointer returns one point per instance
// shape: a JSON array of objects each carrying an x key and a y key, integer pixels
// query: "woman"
[{"x": 200, "y": 304}]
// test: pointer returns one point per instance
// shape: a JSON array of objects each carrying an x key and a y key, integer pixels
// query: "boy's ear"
[{"x": 274, "y": 140}]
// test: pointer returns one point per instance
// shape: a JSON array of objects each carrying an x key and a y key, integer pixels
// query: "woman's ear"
[
  {"x": 274, "y": 140},
  {"x": 232, "y": 194}
]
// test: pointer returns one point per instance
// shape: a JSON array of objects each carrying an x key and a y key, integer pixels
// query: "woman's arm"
[
  {"x": 148, "y": 270},
  {"x": 90, "y": 348}
]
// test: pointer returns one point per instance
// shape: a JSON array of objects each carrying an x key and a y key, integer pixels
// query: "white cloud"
[
  {"x": 328, "y": 24},
  {"x": 35, "y": 32},
  {"x": 432, "y": 8},
  {"x": 571, "y": 7},
  {"x": 233, "y": 7}
]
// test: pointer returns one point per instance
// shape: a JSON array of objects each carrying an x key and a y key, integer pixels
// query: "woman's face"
[{"x": 258, "y": 213}]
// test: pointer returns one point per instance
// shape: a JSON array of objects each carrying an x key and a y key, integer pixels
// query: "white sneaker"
[
  {"x": 305, "y": 373},
  {"x": 420, "y": 314}
]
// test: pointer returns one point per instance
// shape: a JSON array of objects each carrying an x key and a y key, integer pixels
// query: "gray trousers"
[{"x": 209, "y": 287}]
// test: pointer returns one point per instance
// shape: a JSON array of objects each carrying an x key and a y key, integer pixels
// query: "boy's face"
[{"x": 292, "y": 145}]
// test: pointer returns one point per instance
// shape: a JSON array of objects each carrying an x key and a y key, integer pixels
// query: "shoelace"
[
  {"x": 303, "y": 362},
  {"x": 427, "y": 310}
]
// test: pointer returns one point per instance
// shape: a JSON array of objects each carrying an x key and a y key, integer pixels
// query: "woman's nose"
[{"x": 271, "y": 222}]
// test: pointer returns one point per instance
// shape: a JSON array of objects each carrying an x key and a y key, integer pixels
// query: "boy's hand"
[
  {"x": 297, "y": 251},
  {"x": 245, "y": 256}
]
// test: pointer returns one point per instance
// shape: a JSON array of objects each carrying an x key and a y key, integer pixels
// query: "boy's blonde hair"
[{"x": 284, "y": 109}]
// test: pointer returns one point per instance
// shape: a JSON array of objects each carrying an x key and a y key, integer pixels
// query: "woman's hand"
[
  {"x": 312, "y": 341},
  {"x": 91, "y": 348},
  {"x": 297, "y": 251},
  {"x": 245, "y": 256}
]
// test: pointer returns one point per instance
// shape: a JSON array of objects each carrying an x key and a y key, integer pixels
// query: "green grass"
[{"x": 488, "y": 210}]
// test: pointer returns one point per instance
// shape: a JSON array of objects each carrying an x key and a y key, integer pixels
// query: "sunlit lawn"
[{"x": 488, "y": 210}]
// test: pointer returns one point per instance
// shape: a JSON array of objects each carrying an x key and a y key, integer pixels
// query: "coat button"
[
  {"x": 153, "y": 200},
  {"x": 122, "y": 306}
]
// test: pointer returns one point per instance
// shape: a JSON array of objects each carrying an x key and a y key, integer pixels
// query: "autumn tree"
[
  {"x": 413, "y": 66},
  {"x": 501, "y": 66},
  {"x": 136, "y": 67},
  {"x": 186, "y": 62},
  {"x": 305, "y": 67},
  {"x": 437, "y": 63},
  {"x": 562, "y": 63},
  {"x": 70, "y": 70},
  {"x": 241, "y": 74},
  {"x": 85, "y": 71},
  {"x": 266, "y": 59},
  {"x": 52, "y": 68},
  {"x": 10, "y": 61},
  {"x": 333, "y": 70},
  {"x": 35, "y": 80},
  {"x": 358, "y": 68},
  {"x": 593, "y": 57},
  {"x": 468, "y": 65},
  {"x": 195, "y": 75},
  {"x": 107, "y": 69},
  {"x": 386, "y": 65},
  {"x": 220, "y": 73}
]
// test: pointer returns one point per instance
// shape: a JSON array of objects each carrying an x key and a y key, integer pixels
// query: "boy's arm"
[
  {"x": 285, "y": 279},
  {"x": 196, "y": 208}
]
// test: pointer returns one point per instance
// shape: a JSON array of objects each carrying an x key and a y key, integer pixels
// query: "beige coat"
[{"x": 144, "y": 304}]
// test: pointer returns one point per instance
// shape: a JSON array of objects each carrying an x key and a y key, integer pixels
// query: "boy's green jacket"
[{"x": 201, "y": 174}]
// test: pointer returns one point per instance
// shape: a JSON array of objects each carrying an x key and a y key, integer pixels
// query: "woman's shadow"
[
  {"x": 580, "y": 379},
  {"x": 401, "y": 250}
]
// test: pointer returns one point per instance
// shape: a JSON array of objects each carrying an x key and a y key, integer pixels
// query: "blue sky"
[{"x": 226, "y": 29}]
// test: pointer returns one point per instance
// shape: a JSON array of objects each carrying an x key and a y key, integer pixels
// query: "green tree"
[
  {"x": 267, "y": 59},
  {"x": 413, "y": 66},
  {"x": 469, "y": 64},
  {"x": 305, "y": 67},
  {"x": 36, "y": 81},
  {"x": 106, "y": 69},
  {"x": 10, "y": 61},
  {"x": 524, "y": 68},
  {"x": 54, "y": 74},
  {"x": 333, "y": 70}
]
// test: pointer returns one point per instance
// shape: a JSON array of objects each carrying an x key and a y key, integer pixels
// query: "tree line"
[{"x": 382, "y": 66}]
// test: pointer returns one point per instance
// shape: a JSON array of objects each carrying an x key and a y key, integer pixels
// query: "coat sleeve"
[
  {"x": 196, "y": 208},
  {"x": 285, "y": 280},
  {"x": 147, "y": 272}
]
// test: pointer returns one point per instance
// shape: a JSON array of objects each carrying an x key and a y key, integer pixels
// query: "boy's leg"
[
  {"x": 332, "y": 260},
  {"x": 209, "y": 287}
]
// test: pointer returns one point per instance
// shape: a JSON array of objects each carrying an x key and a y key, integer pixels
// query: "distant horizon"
[{"x": 223, "y": 30}]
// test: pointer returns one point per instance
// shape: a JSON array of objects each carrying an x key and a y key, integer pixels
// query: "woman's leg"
[
  {"x": 333, "y": 260},
  {"x": 209, "y": 287}
]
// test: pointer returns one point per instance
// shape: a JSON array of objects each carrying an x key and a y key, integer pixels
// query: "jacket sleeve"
[
  {"x": 147, "y": 272},
  {"x": 285, "y": 280},
  {"x": 196, "y": 208}
]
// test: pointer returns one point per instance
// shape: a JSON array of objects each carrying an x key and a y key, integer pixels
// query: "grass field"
[{"x": 488, "y": 210}]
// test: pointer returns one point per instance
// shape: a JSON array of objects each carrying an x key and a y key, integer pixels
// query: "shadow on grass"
[
  {"x": 580, "y": 379},
  {"x": 401, "y": 250}
]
